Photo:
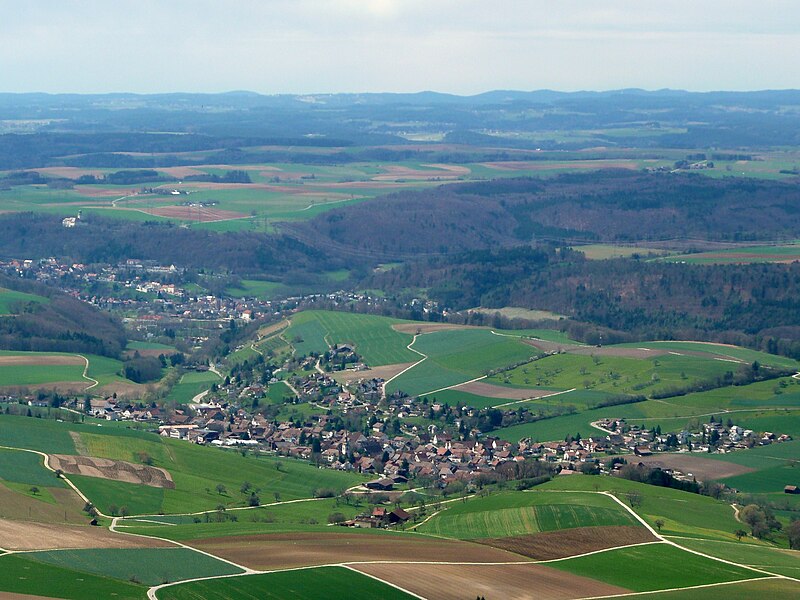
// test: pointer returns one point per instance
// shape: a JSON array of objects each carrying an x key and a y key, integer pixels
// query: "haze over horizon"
[{"x": 461, "y": 47}]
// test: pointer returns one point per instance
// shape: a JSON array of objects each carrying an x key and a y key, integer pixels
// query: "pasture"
[
  {"x": 149, "y": 566},
  {"x": 783, "y": 562},
  {"x": 10, "y": 300},
  {"x": 18, "y": 466},
  {"x": 652, "y": 567},
  {"x": 522, "y": 513},
  {"x": 741, "y": 255},
  {"x": 329, "y": 583},
  {"x": 190, "y": 384}
]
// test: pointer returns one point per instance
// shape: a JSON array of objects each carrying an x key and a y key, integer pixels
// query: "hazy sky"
[{"x": 459, "y": 46}]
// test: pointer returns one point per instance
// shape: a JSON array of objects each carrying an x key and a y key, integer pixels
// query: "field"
[
  {"x": 783, "y": 562},
  {"x": 25, "y": 467},
  {"x": 457, "y": 355},
  {"x": 9, "y": 299},
  {"x": 520, "y": 513},
  {"x": 30, "y": 535},
  {"x": 606, "y": 251},
  {"x": 300, "y": 549},
  {"x": 329, "y": 583},
  {"x": 148, "y": 566},
  {"x": 742, "y": 255},
  {"x": 25, "y": 576},
  {"x": 190, "y": 385},
  {"x": 769, "y": 588},
  {"x": 652, "y": 567},
  {"x": 374, "y": 339}
]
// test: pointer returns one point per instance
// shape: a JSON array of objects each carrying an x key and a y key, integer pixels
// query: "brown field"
[
  {"x": 274, "y": 328},
  {"x": 544, "y": 165},
  {"x": 384, "y": 372},
  {"x": 288, "y": 550},
  {"x": 547, "y": 346},
  {"x": 191, "y": 213},
  {"x": 639, "y": 353},
  {"x": 11, "y": 596},
  {"x": 118, "y": 470},
  {"x": 122, "y": 389},
  {"x": 397, "y": 172},
  {"x": 510, "y": 582},
  {"x": 705, "y": 469},
  {"x": 24, "y": 535},
  {"x": 479, "y": 388},
  {"x": 16, "y": 505},
  {"x": 95, "y": 191},
  {"x": 41, "y": 359},
  {"x": 571, "y": 542},
  {"x": 414, "y": 328}
]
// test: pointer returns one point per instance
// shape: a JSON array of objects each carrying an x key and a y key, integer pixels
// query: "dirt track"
[
  {"x": 283, "y": 551},
  {"x": 705, "y": 469},
  {"x": 571, "y": 542},
  {"x": 510, "y": 582},
  {"x": 116, "y": 470},
  {"x": 26, "y": 535}
]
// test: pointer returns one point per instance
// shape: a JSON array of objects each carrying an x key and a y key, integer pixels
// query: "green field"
[
  {"x": 375, "y": 340},
  {"x": 683, "y": 513},
  {"x": 748, "y": 254},
  {"x": 652, "y": 567},
  {"x": 456, "y": 356},
  {"x": 9, "y": 299},
  {"x": 747, "y": 590},
  {"x": 21, "y": 575},
  {"x": 521, "y": 513},
  {"x": 36, "y": 434},
  {"x": 149, "y": 566},
  {"x": 18, "y": 466},
  {"x": 782, "y": 562},
  {"x": 734, "y": 352},
  {"x": 328, "y": 583},
  {"x": 30, "y": 375},
  {"x": 192, "y": 383}
]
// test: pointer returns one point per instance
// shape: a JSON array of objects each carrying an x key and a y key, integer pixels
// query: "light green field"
[
  {"x": 734, "y": 352},
  {"x": 522, "y": 513},
  {"x": 613, "y": 374},
  {"x": 264, "y": 290},
  {"x": 652, "y": 567},
  {"x": 749, "y": 254},
  {"x": 149, "y": 566},
  {"x": 21, "y": 575},
  {"x": 12, "y": 298},
  {"x": 328, "y": 583},
  {"x": 458, "y": 355},
  {"x": 40, "y": 374},
  {"x": 375, "y": 340},
  {"x": 769, "y": 588},
  {"x": 36, "y": 434},
  {"x": 137, "y": 345}
]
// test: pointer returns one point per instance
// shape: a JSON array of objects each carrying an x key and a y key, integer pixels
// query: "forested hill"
[
  {"x": 756, "y": 305},
  {"x": 611, "y": 206},
  {"x": 57, "y": 323}
]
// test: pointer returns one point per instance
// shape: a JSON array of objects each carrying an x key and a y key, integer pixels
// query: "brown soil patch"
[
  {"x": 571, "y": 542},
  {"x": 704, "y": 469},
  {"x": 384, "y": 372},
  {"x": 117, "y": 470},
  {"x": 25, "y": 535},
  {"x": 18, "y": 506},
  {"x": 479, "y": 388},
  {"x": 397, "y": 172},
  {"x": 283, "y": 551},
  {"x": 414, "y": 328},
  {"x": 125, "y": 390},
  {"x": 547, "y": 346},
  {"x": 11, "y": 596},
  {"x": 274, "y": 328},
  {"x": 95, "y": 191},
  {"x": 194, "y": 213},
  {"x": 458, "y": 170},
  {"x": 41, "y": 359},
  {"x": 510, "y": 582}
]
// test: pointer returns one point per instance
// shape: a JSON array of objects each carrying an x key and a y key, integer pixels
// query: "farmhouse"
[{"x": 791, "y": 489}]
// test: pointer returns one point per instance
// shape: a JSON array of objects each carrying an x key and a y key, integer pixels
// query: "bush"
[{"x": 336, "y": 518}]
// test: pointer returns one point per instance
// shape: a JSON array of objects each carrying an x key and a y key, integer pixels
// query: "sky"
[{"x": 456, "y": 46}]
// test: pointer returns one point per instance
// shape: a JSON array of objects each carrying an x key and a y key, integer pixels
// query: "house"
[
  {"x": 383, "y": 485},
  {"x": 791, "y": 489},
  {"x": 398, "y": 515}
]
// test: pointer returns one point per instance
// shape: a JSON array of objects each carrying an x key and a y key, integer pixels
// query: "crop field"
[
  {"x": 720, "y": 350},
  {"x": 606, "y": 251},
  {"x": 456, "y": 356},
  {"x": 653, "y": 567},
  {"x": 21, "y": 575},
  {"x": 682, "y": 513},
  {"x": 329, "y": 583},
  {"x": 521, "y": 513},
  {"x": 783, "y": 562},
  {"x": 747, "y": 590},
  {"x": 375, "y": 340},
  {"x": 25, "y": 467},
  {"x": 150, "y": 566},
  {"x": 11, "y": 298},
  {"x": 35, "y": 434}
]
